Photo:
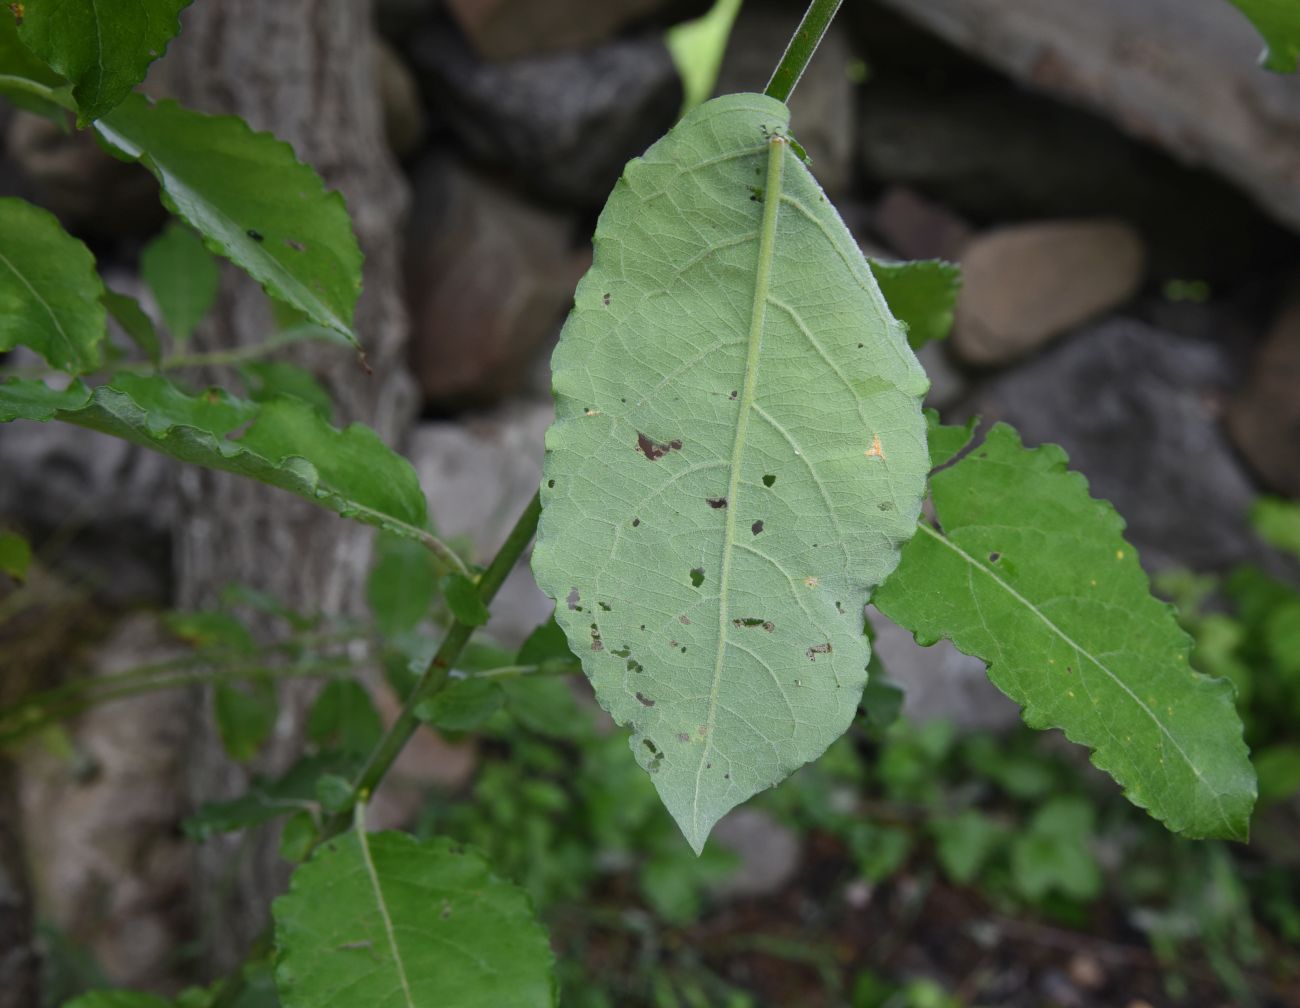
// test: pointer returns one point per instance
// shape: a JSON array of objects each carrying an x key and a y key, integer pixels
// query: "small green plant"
[{"x": 738, "y": 465}]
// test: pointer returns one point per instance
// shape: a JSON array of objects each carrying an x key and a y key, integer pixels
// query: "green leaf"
[
  {"x": 20, "y": 68},
  {"x": 298, "y": 837},
  {"x": 252, "y": 201},
  {"x": 183, "y": 277},
  {"x": 402, "y": 586},
  {"x": 410, "y": 924},
  {"x": 116, "y": 999},
  {"x": 946, "y": 441},
  {"x": 244, "y": 716},
  {"x": 738, "y": 455},
  {"x": 1052, "y": 855},
  {"x": 211, "y": 629},
  {"x": 288, "y": 445},
  {"x": 334, "y": 792},
  {"x": 1277, "y": 522},
  {"x": 1030, "y": 574},
  {"x": 104, "y": 49},
  {"x": 921, "y": 294},
  {"x": 266, "y": 798},
  {"x": 1279, "y": 22},
  {"x": 463, "y": 705},
  {"x": 697, "y": 47},
  {"x": 127, "y": 313},
  {"x": 463, "y": 600},
  {"x": 49, "y": 290},
  {"x": 15, "y": 555},
  {"x": 965, "y": 842},
  {"x": 344, "y": 714},
  {"x": 270, "y": 379}
]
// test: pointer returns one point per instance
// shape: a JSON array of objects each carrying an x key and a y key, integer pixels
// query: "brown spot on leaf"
[
  {"x": 875, "y": 451},
  {"x": 644, "y": 701},
  {"x": 757, "y": 527},
  {"x": 655, "y": 450},
  {"x": 717, "y": 503},
  {"x": 817, "y": 649}
]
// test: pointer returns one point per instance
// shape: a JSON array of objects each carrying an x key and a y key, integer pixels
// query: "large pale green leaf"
[
  {"x": 183, "y": 277},
  {"x": 288, "y": 445},
  {"x": 49, "y": 290},
  {"x": 252, "y": 200},
  {"x": 1279, "y": 22},
  {"x": 104, "y": 47},
  {"x": 1028, "y": 572},
  {"x": 738, "y": 455},
  {"x": 386, "y": 921}
]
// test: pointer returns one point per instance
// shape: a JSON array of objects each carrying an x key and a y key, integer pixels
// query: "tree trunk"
[{"x": 301, "y": 69}]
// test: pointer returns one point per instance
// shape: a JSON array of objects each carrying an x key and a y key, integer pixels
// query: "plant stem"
[
  {"x": 802, "y": 45},
  {"x": 36, "y": 89},
  {"x": 435, "y": 676}
]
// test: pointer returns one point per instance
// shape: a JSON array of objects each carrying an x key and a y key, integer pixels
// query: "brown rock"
[
  {"x": 919, "y": 228},
  {"x": 508, "y": 29},
  {"x": 1024, "y": 284},
  {"x": 490, "y": 278},
  {"x": 1264, "y": 418}
]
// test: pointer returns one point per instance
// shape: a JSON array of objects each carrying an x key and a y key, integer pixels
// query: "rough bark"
[{"x": 302, "y": 69}]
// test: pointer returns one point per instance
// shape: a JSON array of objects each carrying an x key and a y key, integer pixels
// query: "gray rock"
[
  {"x": 490, "y": 278},
  {"x": 562, "y": 125},
  {"x": 919, "y": 228},
  {"x": 1025, "y": 284},
  {"x": 769, "y": 853},
  {"x": 947, "y": 384},
  {"x": 479, "y": 472},
  {"x": 997, "y": 154},
  {"x": 940, "y": 683},
  {"x": 1138, "y": 412},
  {"x": 1264, "y": 416},
  {"x": 509, "y": 29},
  {"x": 1183, "y": 74},
  {"x": 821, "y": 108}
]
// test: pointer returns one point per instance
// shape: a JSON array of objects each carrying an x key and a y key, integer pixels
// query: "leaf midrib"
[
  {"x": 757, "y": 320},
  {"x": 390, "y": 934},
  {"x": 1083, "y": 652}
]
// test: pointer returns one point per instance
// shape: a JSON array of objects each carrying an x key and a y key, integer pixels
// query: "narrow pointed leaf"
[
  {"x": 104, "y": 47},
  {"x": 288, "y": 445},
  {"x": 139, "y": 328},
  {"x": 183, "y": 277},
  {"x": 738, "y": 455},
  {"x": 49, "y": 290},
  {"x": 252, "y": 200},
  {"x": 390, "y": 922},
  {"x": 1029, "y": 573}
]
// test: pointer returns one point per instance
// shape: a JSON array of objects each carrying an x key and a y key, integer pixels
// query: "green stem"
[
  {"x": 37, "y": 90},
  {"x": 802, "y": 45},
  {"x": 435, "y": 677}
]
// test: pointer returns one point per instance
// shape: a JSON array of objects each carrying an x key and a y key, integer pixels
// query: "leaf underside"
[
  {"x": 387, "y": 921},
  {"x": 252, "y": 201},
  {"x": 288, "y": 444},
  {"x": 1032, "y": 575},
  {"x": 738, "y": 455}
]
